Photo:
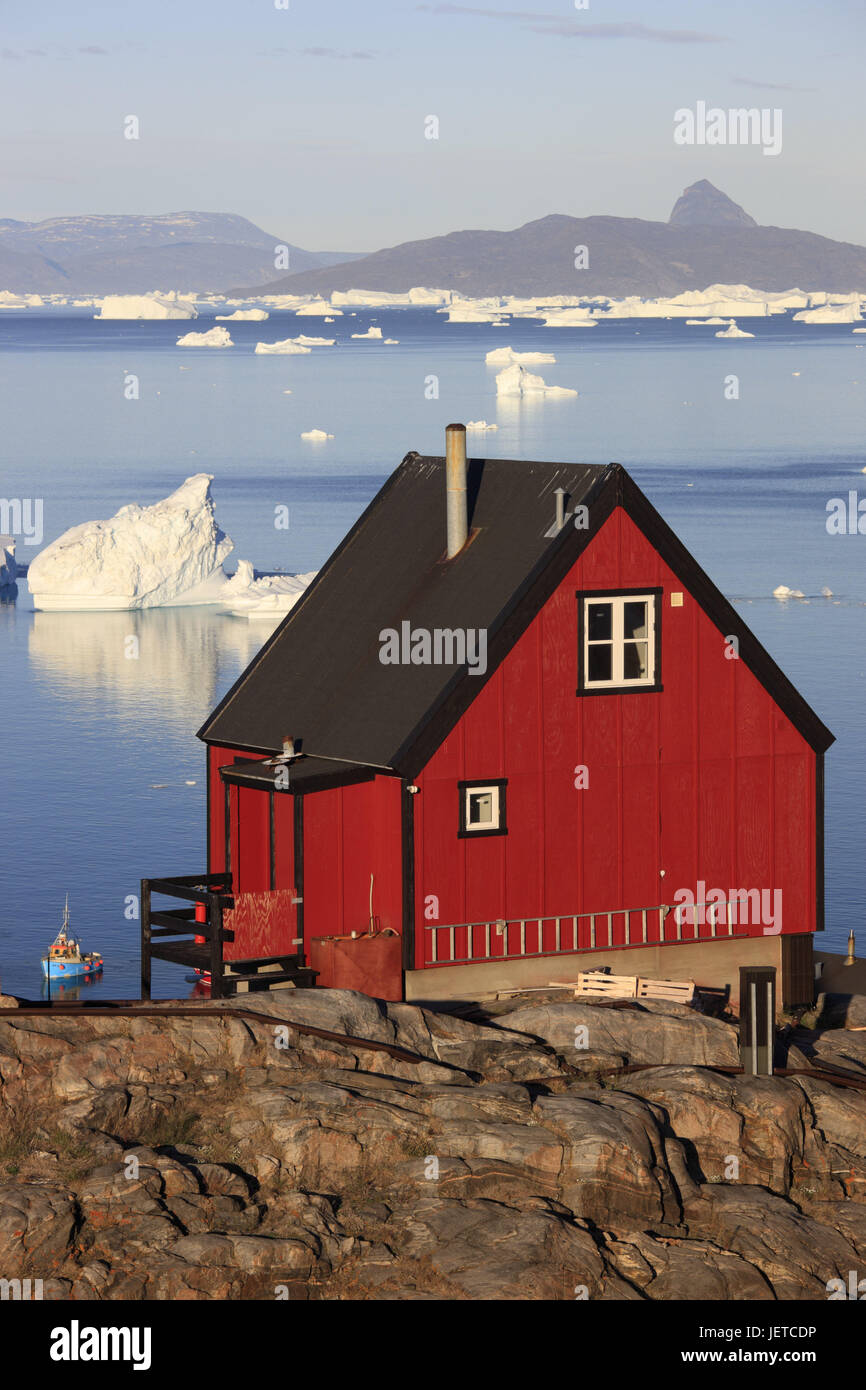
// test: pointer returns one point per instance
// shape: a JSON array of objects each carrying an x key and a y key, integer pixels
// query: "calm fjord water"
[{"x": 102, "y": 776}]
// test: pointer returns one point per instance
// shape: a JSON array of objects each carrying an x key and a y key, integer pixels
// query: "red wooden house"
[{"x": 510, "y": 732}]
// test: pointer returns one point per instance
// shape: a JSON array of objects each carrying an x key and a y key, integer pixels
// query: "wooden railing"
[
  {"x": 181, "y": 926},
  {"x": 551, "y": 936}
]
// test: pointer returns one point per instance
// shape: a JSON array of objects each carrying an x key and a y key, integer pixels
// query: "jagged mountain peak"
[{"x": 704, "y": 205}]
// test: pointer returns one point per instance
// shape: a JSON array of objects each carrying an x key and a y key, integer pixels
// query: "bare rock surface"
[{"x": 240, "y": 1155}]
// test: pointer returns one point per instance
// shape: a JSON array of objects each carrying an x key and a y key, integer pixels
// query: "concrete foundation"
[{"x": 714, "y": 963}]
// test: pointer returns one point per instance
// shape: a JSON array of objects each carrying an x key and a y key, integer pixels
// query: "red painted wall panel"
[{"x": 706, "y": 779}]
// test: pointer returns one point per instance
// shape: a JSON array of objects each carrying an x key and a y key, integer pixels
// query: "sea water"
[{"x": 740, "y": 444}]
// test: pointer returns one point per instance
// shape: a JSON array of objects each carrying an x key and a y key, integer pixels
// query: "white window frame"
[
  {"x": 617, "y": 641},
  {"x": 496, "y": 825}
]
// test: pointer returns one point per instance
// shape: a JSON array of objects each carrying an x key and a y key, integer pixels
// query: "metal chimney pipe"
[{"x": 455, "y": 488}]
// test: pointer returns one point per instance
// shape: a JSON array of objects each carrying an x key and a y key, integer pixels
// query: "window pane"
[
  {"x": 635, "y": 657},
  {"x": 598, "y": 663},
  {"x": 599, "y": 617},
  {"x": 480, "y": 808},
  {"x": 634, "y": 619}
]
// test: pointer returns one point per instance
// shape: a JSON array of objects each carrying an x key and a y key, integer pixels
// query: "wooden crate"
[
  {"x": 676, "y": 991},
  {"x": 593, "y": 985}
]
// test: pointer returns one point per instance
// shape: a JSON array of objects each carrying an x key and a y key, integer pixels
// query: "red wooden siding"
[
  {"x": 706, "y": 779},
  {"x": 350, "y": 833}
]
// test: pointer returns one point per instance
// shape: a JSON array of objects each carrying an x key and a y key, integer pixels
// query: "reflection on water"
[{"x": 176, "y": 656}]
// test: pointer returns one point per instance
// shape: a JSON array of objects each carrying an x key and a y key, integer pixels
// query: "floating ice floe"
[
  {"x": 372, "y": 333},
  {"x": 146, "y": 306},
  {"x": 714, "y": 320},
  {"x": 480, "y": 426},
  {"x": 316, "y": 308},
  {"x": 858, "y": 330},
  {"x": 392, "y": 342},
  {"x": 243, "y": 316},
  {"x": 569, "y": 318},
  {"x": 9, "y": 300},
  {"x": 270, "y": 596},
  {"x": 506, "y": 357},
  {"x": 214, "y": 337},
  {"x": 142, "y": 557},
  {"x": 732, "y": 331},
  {"x": 517, "y": 381},
  {"x": 315, "y": 342},
  {"x": 285, "y": 348},
  {"x": 316, "y": 436},
  {"x": 827, "y": 593},
  {"x": 782, "y": 591},
  {"x": 848, "y": 312},
  {"x": 8, "y": 570}
]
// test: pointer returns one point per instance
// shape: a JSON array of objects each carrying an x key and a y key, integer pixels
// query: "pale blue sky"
[{"x": 310, "y": 121}]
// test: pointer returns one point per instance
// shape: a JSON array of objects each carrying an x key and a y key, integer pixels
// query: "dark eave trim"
[{"x": 238, "y": 776}]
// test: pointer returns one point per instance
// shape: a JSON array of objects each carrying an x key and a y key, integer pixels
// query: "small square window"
[
  {"x": 618, "y": 644},
  {"x": 482, "y": 808}
]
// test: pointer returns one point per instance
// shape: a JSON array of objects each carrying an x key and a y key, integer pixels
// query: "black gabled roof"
[{"x": 319, "y": 679}]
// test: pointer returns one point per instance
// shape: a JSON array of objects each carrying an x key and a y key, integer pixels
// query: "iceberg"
[
  {"x": 480, "y": 426},
  {"x": 146, "y": 306},
  {"x": 315, "y": 342},
  {"x": 316, "y": 308},
  {"x": 143, "y": 557},
  {"x": 708, "y": 322},
  {"x": 732, "y": 331},
  {"x": 269, "y": 596},
  {"x": 243, "y": 315},
  {"x": 214, "y": 337},
  {"x": 569, "y": 318},
  {"x": 316, "y": 436},
  {"x": 8, "y": 570},
  {"x": 506, "y": 357},
  {"x": 287, "y": 346},
  {"x": 831, "y": 313},
  {"x": 370, "y": 335},
  {"x": 517, "y": 381},
  {"x": 782, "y": 592}
]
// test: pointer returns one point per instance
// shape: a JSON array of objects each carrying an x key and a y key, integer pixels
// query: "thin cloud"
[
  {"x": 769, "y": 86},
  {"x": 335, "y": 53},
  {"x": 559, "y": 27},
  {"x": 342, "y": 54},
  {"x": 94, "y": 48}
]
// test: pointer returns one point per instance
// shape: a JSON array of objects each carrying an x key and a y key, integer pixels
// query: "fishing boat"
[{"x": 65, "y": 959}]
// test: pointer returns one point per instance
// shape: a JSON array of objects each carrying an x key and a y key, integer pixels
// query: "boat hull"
[{"x": 70, "y": 970}]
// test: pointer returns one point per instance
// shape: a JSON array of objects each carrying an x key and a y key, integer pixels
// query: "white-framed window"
[
  {"x": 619, "y": 647},
  {"x": 482, "y": 808}
]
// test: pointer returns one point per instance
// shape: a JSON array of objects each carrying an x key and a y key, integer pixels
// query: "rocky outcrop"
[{"x": 321, "y": 1144}]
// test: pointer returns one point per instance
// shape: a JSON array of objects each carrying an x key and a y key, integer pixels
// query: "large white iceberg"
[
  {"x": 517, "y": 381},
  {"x": 146, "y": 306},
  {"x": 372, "y": 334},
  {"x": 506, "y": 357},
  {"x": 143, "y": 557},
  {"x": 214, "y": 337},
  {"x": 316, "y": 436},
  {"x": 8, "y": 570},
  {"x": 831, "y": 313}
]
